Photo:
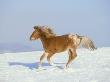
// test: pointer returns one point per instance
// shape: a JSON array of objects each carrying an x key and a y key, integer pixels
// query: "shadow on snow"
[
  {"x": 32, "y": 65},
  {"x": 29, "y": 65}
]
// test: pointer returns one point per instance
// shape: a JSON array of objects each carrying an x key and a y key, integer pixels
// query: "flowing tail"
[{"x": 86, "y": 42}]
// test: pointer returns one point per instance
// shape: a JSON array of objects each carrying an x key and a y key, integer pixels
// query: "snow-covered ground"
[{"x": 89, "y": 66}]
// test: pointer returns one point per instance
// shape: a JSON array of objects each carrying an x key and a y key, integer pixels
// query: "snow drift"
[{"x": 89, "y": 66}]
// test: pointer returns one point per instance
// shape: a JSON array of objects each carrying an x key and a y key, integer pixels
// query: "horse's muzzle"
[{"x": 32, "y": 38}]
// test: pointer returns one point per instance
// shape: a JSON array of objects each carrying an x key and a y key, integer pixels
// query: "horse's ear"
[{"x": 35, "y": 27}]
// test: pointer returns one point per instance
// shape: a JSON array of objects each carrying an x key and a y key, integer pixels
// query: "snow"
[{"x": 89, "y": 66}]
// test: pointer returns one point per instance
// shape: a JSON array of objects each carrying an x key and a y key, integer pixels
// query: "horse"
[{"x": 53, "y": 43}]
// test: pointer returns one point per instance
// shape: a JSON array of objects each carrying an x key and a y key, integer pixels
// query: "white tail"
[{"x": 86, "y": 42}]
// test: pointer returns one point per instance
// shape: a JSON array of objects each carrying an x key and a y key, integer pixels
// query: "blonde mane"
[
  {"x": 44, "y": 31},
  {"x": 48, "y": 32}
]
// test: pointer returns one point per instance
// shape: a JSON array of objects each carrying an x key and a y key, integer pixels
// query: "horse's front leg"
[
  {"x": 49, "y": 59},
  {"x": 42, "y": 57}
]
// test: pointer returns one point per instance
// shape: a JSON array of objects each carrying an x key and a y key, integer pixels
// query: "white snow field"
[{"x": 89, "y": 66}]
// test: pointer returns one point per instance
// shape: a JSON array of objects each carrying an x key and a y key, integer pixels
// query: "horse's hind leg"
[
  {"x": 42, "y": 57},
  {"x": 69, "y": 60},
  {"x": 72, "y": 56}
]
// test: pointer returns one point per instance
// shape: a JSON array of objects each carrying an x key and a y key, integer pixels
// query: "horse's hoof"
[
  {"x": 66, "y": 67},
  {"x": 40, "y": 66}
]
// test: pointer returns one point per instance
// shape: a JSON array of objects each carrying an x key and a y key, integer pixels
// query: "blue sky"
[{"x": 85, "y": 17}]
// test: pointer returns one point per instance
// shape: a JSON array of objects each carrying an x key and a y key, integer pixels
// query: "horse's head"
[
  {"x": 40, "y": 31},
  {"x": 36, "y": 33}
]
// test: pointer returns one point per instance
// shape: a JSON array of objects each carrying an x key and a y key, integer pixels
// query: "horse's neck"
[{"x": 44, "y": 41}]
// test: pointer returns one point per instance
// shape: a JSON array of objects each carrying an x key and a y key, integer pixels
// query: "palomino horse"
[{"x": 54, "y": 44}]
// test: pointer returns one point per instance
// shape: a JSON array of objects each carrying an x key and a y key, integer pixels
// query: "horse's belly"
[{"x": 61, "y": 48}]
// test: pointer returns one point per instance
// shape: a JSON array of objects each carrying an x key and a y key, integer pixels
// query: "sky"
[{"x": 85, "y": 17}]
